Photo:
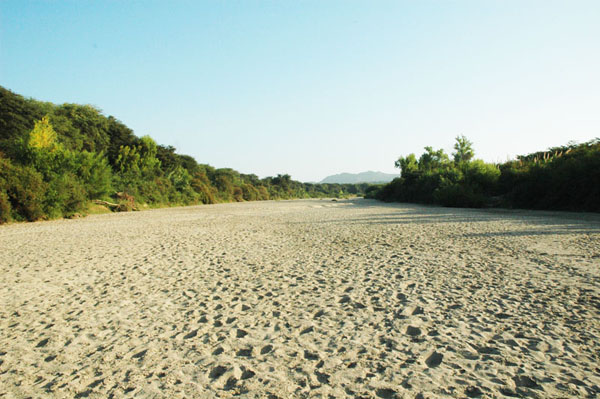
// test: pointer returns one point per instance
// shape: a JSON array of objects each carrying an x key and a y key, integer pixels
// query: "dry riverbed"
[{"x": 299, "y": 299}]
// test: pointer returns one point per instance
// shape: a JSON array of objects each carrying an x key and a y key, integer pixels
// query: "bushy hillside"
[
  {"x": 56, "y": 159},
  {"x": 562, "y": 178}
]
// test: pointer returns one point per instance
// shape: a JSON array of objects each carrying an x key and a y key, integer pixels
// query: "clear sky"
[{"x": 314, "y": 87}]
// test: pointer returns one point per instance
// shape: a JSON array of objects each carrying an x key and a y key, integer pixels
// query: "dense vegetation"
[
  {"x": 562, "y": 178},
  {"x": 56, "y": 159}
]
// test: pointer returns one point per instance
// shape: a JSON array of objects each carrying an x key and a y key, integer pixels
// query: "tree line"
[
  {"x": 561, "y": 178},
  {"x": 56, "y": 159}
]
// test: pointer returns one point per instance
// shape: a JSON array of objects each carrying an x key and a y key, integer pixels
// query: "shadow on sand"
[{"x": 534, "y": 222}]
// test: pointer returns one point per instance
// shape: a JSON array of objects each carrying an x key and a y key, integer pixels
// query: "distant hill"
[{"x": 364, "y": 177}]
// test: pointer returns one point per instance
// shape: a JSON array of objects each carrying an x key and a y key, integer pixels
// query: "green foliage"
[
  {"x": 436, "y": 180},
  {"x": 263, "y": 193},
  {"x": 200, "y": 183},
  {"x": 408, "y": 164},
  {"x": 149, "y": 163},
  {"x": 25, "y": 189},
  {"x": 5, "y": 208},
  {"x": 563, "y": 178},
  {"x": 180, "y": 178},
  {"x": 128, "y": 160},
  {"x": 481, "y": 177},
  {"x": 54, "y": 159},
  {"x": 119, "y": 136},
  {"x": 17, "y": 115},
  {"x": 464, "y": 150},
  {"x": 432, "y": 159},
  {"x": 458, "y": 196},
  {"x": 65, "y": 196},
  {"x": 238, "y": 194},
  {"x": 85, "y": 128},
  {"x": 566, "y": 178},
  {"x": 250, "y": 193},
  {"x": 43, "y": 136},
  {"x": 94, "y": 172}
]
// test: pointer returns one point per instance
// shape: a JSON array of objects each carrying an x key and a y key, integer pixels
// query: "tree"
[
  {"x": 17, "y": 114},
  {"x": 149, "y": 164},
  {"x": 86, "y": 127},
  {"x": 167, "y": 157},
  {"x": 464, "y": 150},
  {"x": 128, "y": 160},
  {"x": 432, "y": 159},
  {"x": 43, "y": 135},
  {"x": 119, "y": 135},
  {"x": 407, "y": 164}
]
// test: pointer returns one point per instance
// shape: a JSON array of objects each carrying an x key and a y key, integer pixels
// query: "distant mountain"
[{"x": 364, "y": 177}]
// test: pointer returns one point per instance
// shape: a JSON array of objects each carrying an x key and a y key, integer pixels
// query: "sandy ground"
[{"x": 297, "y": 299}]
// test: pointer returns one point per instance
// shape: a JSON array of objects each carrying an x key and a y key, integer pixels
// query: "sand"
[{"x": 302, "y": 299}]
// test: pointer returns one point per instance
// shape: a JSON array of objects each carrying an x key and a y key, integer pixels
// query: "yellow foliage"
[{"x": 42, "y": 135}]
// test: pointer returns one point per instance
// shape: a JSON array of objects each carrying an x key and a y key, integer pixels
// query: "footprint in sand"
[
  {"x": 307, "y": 330},
  {"x": 246, "y": 352},
  {"x": 434, "y": 359},
  {"x": 413, "y": 331},
  {"x": 217, "y": 372},
  {"x": 218, "y": 351},
  {"x": 413, "y": 310},
  {"x": 323, "y": 378},
  {"x": 140, "y": 355},
  {"x": 386, "y": 393},
  {"x": 247, "y": 374},
  {"x": 191, "y": 334}
]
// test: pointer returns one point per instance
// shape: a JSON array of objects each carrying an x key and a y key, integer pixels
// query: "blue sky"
[{"x": 313, "y": 88}]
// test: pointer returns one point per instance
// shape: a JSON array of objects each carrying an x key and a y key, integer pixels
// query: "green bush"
[
  {"x": 459, "y": 196},
  {"x": 56, "y": 157},
  {"x": 249, "y": 192},
  {"x": 482, "y": 177},
  {"x": 564, "y": 178},
  {"x": 206, "y": 193},
  {"x": 372, "y": 191},
  {"x": 95, "y": 174},
  {"x": 238, "y": 194},
  {"x": 71, "y": 195},
  {"x": 25, "y": 190},
  {"x": 263, "y": 193},
  {"x": 5, "y": 208}
]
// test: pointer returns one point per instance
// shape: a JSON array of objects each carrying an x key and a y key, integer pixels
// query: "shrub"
[
  {"x": 73, "y": 195},
  {"x": 206, "y": 193},
  {"x": 250, "y": 193},
  {"x": 5, "y": 208},
  {"x": 371, "y": 191},
  {"x": 95, "y": 174},
  {"x": 263, "y": 193},
  {"x": 25, "y": 190},
  {"x": 481, "y": 177},
  {"x": 459, "y": 196},
  {"x": 238, "y": 194},
  {"x": 65, "y": 196}
]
